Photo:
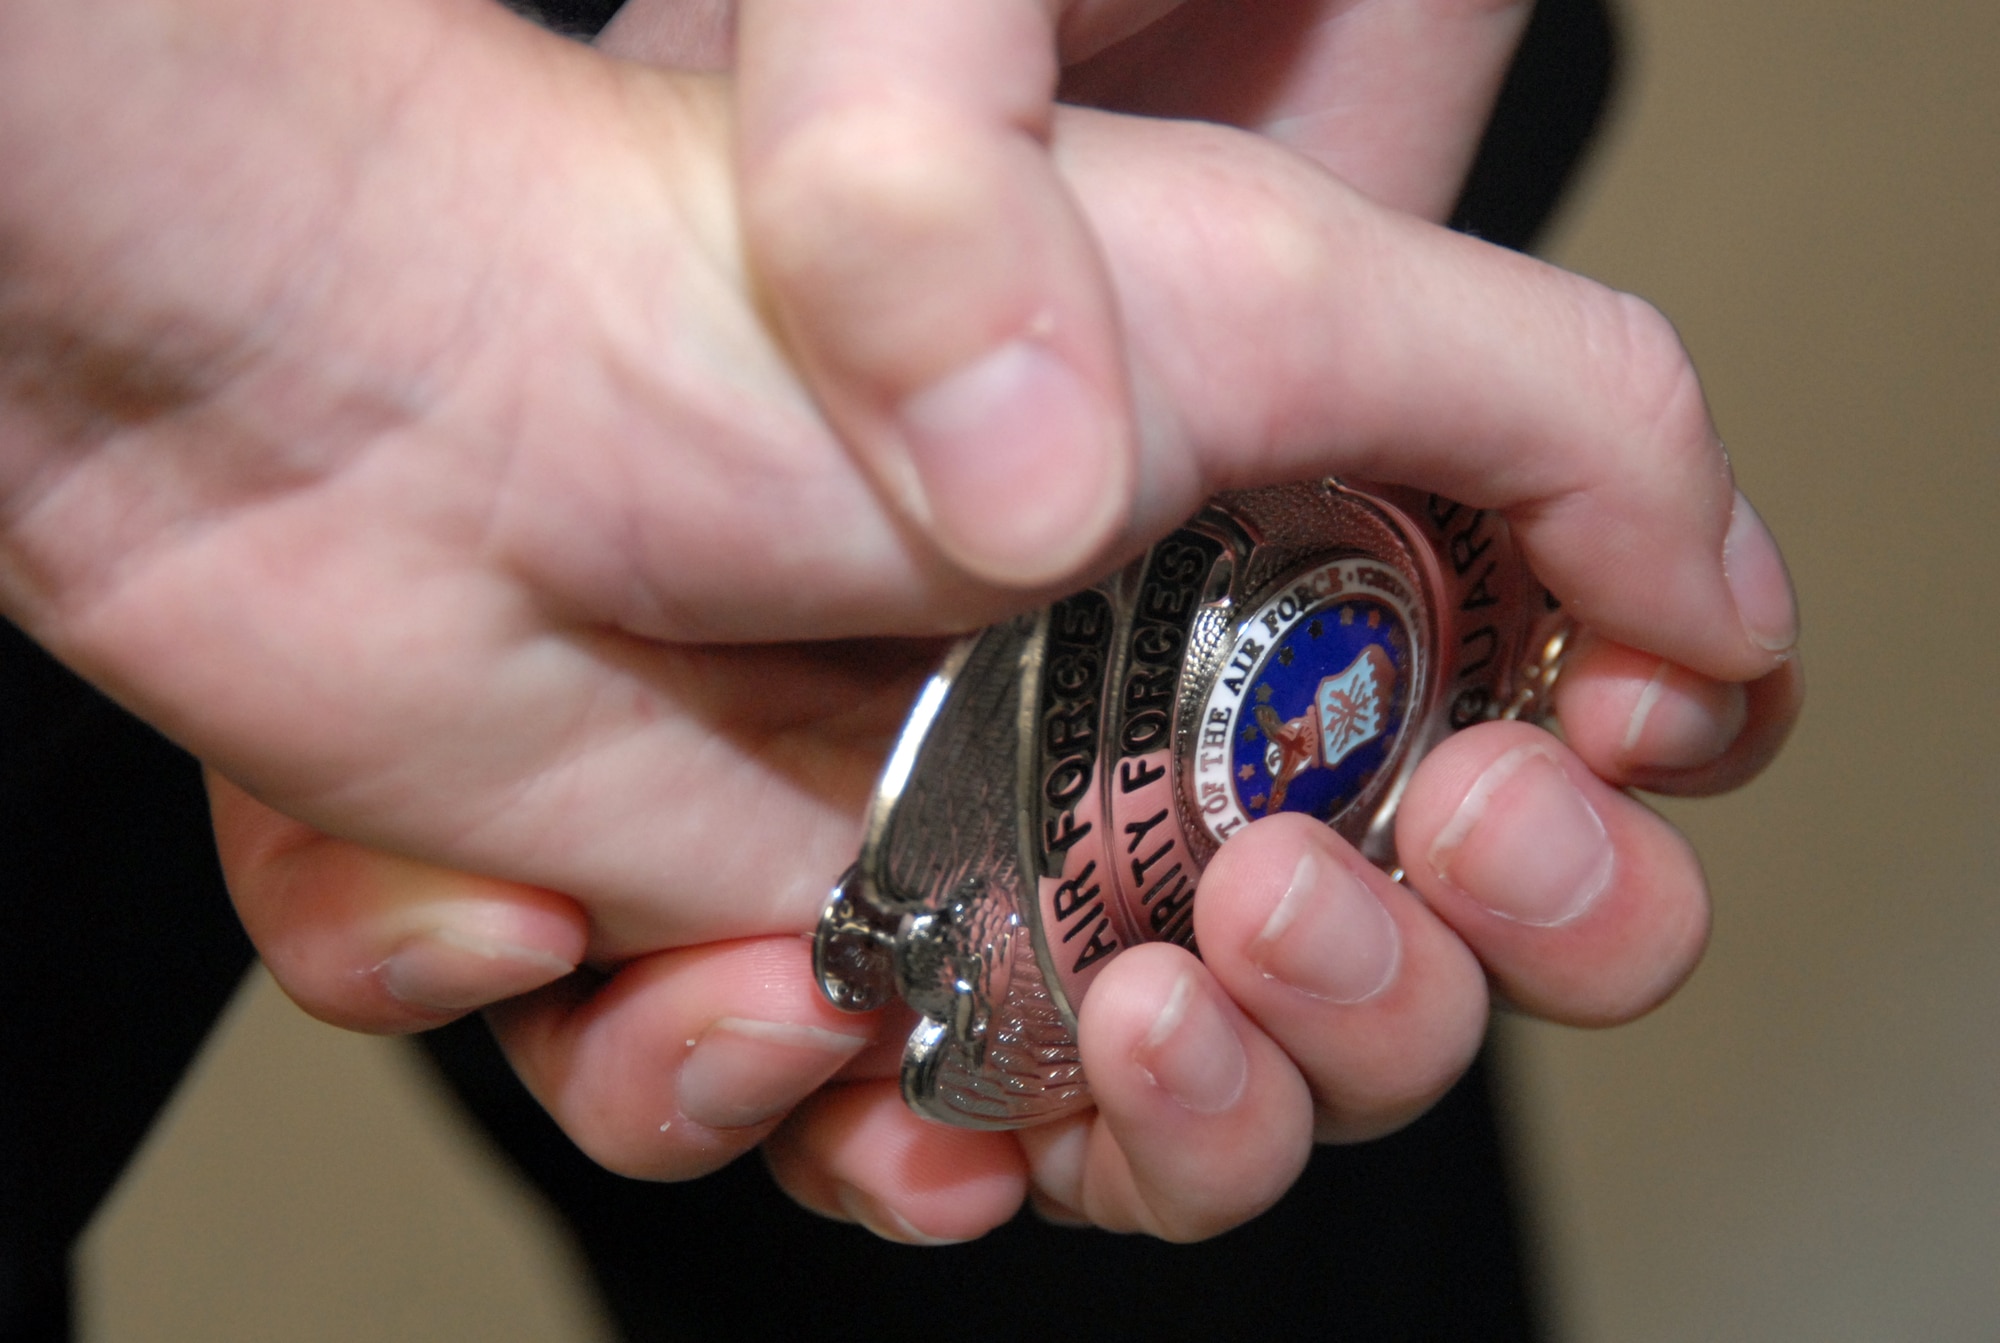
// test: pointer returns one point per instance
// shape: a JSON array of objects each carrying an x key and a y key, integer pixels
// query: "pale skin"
[{"x": 428, "y": 471}]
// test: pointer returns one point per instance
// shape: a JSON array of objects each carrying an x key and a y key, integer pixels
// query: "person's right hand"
[{"x": 938, "y": 281}]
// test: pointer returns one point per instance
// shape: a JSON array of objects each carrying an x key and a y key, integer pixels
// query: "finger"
[
  {"x": 1642, "y": 722},
  {"x": 370, "y": 941},
  {"x": 373, "y": 942},
  {"x": 1283, "y": 327},
  {"x": 1201, "y": 1124},
  {"x": 940, "y": 293},
  {"x": 1583, "y": 906},
  {"x": 856, "y": 1153},
  {"x": 1201, "y": 1121},
  {"x": 1379, "y": 1005},
  {"x": 683, "y": 1060},
  {"x": 1392, "y": 96}
]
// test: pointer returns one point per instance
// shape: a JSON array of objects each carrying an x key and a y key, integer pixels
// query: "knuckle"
[
  {"x": 1652, "y": 378},
  {"x": 1262, "y": 203},
  {"x": 850, "y": 191},
  {"x": 1291, "y": 247}
]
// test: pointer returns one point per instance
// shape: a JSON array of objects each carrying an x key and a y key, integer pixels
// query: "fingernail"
[
  {"x": 1329, "y": 936},
  {"x": 1017, "y": 464},
  {"x": 1192, "y": 1052},
  {"x": 882, "y": 1220},
  {"x": 455, "y": 970},
  {"x": 743, "y": 1072},
  {"x": 1758, "y": 580},
  {"x": 1525, "y": 843},
  {"x": 1681, "y": 723}
]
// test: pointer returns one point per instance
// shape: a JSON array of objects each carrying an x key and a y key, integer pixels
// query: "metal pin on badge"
[{"x": 1065, "y": 777}]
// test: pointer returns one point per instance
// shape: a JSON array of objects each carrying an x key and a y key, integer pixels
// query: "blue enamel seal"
[{"x": 1310, "y": 707}]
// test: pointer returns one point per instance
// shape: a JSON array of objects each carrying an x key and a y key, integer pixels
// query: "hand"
[
  {"x": 1371, "y": 997},
  {"x": 555, "y": 492},
  {"x": 938, "y": 282}
]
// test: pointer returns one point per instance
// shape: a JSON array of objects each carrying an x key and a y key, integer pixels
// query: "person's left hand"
[{"x": 1345, "y": 1025}]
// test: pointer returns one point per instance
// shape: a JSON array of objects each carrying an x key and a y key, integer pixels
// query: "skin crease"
[{"x": 545, "y": 642}]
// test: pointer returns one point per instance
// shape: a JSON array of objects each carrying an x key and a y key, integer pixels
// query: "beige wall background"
[{"x": 1806, "y": 1143}]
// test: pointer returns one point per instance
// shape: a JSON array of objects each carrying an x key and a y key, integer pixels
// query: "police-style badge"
[{"x": 1065, "y": 777}]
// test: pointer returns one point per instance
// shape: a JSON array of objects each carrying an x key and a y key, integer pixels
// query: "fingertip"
[
  {"x": 865, "y": 1210},
  {"x": 1019, "y": 467},
  {"x": 1583, "y": 906},
  {"x": 1212, "y": 1123},
  {"x": 1379, "y": 1005},
  {"x": 743, "y": 1072},
  {"x": 857, "y": 1153},
  {"x": 1627, "y": 712},
  {"x": 1191, "y": 1050},
  {"x": 1641, "y": 721},
  {"x": 1527, "y": 838},
  {"x": 467, "y": 953},
  {"x": 1759, "y": 581},
  {"x": 375, "y": 942},
  {"x": 682, "y": 1060},
  {"x": 1163, "y": 1043},
  {"x": 1678, "y": 721},
  {"x": 1299, "y": 908}
]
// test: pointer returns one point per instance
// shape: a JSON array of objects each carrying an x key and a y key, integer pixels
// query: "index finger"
[{"x": 1283, "y": 327}]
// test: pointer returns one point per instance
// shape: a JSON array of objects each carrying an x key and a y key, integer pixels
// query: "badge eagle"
[{"x": 1348, "y": 711}]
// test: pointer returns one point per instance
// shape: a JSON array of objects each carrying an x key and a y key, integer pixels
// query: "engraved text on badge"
[
  {"x": 1154, "y": 867},
  {"x": 1082, "y": 924}
]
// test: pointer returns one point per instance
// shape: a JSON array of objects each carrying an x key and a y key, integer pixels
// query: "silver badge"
[{"x": 1065, "y": 776}]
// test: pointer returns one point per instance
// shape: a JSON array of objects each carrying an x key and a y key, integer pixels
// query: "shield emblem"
[{"x": 1352, "y": 706}]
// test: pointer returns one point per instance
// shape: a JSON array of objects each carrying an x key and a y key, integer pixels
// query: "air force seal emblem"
[{"x": 1312, "y": 703}]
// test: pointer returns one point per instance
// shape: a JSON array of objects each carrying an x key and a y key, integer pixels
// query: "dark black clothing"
[{"x": 118, "y": 950}]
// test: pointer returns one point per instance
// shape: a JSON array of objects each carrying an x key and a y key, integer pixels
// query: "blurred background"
[{"x": 1805, "y": 1144}]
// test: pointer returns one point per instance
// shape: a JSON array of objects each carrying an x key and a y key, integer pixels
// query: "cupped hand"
[
  {"x": 1333, "y": 1005},
  {"x": 414, "y": 452}
]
